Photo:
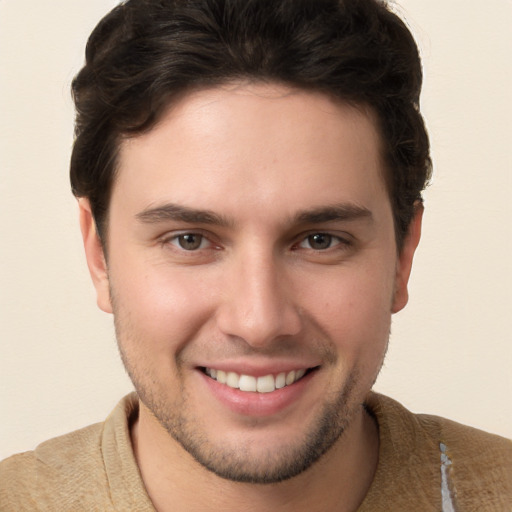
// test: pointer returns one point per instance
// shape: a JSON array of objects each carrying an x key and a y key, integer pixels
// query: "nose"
[{"x": 258, "y": 304}]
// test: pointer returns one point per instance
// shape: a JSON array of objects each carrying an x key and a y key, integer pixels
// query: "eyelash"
[
  {"x": 333, "y": 241},
  {"x": 174, "y": 240},
  {"x": 339, "y": 241}
]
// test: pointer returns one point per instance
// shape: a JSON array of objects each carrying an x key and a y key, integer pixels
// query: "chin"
[{"x": 246, "y": 457}]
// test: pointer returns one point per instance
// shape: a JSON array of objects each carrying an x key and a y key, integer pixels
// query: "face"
[{"x": 252, "y": 272}]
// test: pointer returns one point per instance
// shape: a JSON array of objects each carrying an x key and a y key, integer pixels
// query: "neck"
[{"x": 175, "y": 481}]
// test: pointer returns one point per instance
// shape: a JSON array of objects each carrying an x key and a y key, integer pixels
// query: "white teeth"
[
  {"x": 290, "y": 378},
  {"x": 233, "y": 380},
  {"x": 265, "y": 384},
  {"x": 281, "y": 380},
  {"x": 247, "y": 383}
]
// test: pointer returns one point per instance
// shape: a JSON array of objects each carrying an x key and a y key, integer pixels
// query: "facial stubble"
[{"x": 237, "y": 463}]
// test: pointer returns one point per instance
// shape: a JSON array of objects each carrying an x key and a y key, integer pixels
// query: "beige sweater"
[{"x": 426, "y": 463}]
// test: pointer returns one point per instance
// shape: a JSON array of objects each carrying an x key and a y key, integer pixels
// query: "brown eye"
[
  {"x": 189, "y": 241},
  {"x": 319, "y": 241}
]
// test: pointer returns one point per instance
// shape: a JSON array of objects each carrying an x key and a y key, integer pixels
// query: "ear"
[
  {"x": 95, "y": 255},
  {"x": 404, "y": 264}
]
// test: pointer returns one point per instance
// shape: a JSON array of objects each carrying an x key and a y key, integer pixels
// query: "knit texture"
[{"x": 426, "y": 463}]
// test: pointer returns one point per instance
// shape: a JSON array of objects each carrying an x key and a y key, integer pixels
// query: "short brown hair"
[{"x": 145, "y": 53}]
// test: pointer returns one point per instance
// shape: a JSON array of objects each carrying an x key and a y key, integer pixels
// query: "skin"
[{"x": 258, "y": 292}]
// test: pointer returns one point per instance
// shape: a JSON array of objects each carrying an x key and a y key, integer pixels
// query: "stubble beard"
[{"x": 238, "y": 463}]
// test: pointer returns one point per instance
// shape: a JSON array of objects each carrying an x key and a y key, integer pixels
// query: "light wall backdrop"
[{"x": 451, "y": 348}]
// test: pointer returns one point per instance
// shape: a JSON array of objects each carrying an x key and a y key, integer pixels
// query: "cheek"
[
  {"x": 159, "y": 307},
  {"x": 354, "y": 309}
]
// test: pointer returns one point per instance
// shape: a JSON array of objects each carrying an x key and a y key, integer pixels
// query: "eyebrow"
[
  {"x": 175, "y": 212},
  {"x": 340, "y": 212}
]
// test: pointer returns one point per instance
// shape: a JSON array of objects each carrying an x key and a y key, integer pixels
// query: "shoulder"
[
  {"x": 90, "y": 469},
  {"x": 473, "y": 467},
  {"x": 464, "y": 441},
  {"x": 478, "y": 463},
  {"x": 467, "y": 442},
  {"x": 60, "y": 471}
]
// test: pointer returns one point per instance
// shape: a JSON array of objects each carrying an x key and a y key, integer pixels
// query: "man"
[{"x": 249, "y": 176}]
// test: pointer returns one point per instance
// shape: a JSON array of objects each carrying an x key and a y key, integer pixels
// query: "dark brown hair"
[{"x": 145, "y": 53}]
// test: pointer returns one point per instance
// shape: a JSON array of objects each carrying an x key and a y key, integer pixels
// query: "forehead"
[{"x": 253, "y": 144}]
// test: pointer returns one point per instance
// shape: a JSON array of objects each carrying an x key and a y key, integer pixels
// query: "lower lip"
[{"x": 257, "y": 404}]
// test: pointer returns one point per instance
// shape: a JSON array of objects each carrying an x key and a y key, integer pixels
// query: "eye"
[
  {"x": 189, "y": 241},
  {"x": 320, "y": 241}
]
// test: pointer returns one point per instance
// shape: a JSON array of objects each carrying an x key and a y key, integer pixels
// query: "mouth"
[{"x": 264, "y": 384}]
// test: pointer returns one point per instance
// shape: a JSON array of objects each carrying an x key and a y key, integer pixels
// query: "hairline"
[{"x": 175, "y": 98}]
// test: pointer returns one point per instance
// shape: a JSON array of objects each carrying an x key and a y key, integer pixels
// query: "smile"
[{"x": 264, "y": 384}]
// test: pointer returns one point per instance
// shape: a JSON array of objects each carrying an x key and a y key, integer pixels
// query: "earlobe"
[
  {"x": 404, "y": 264},
  {"x": 95, "y": 255}
]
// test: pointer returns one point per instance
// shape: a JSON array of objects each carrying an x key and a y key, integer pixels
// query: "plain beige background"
[{"x": 451, "y": 349}]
